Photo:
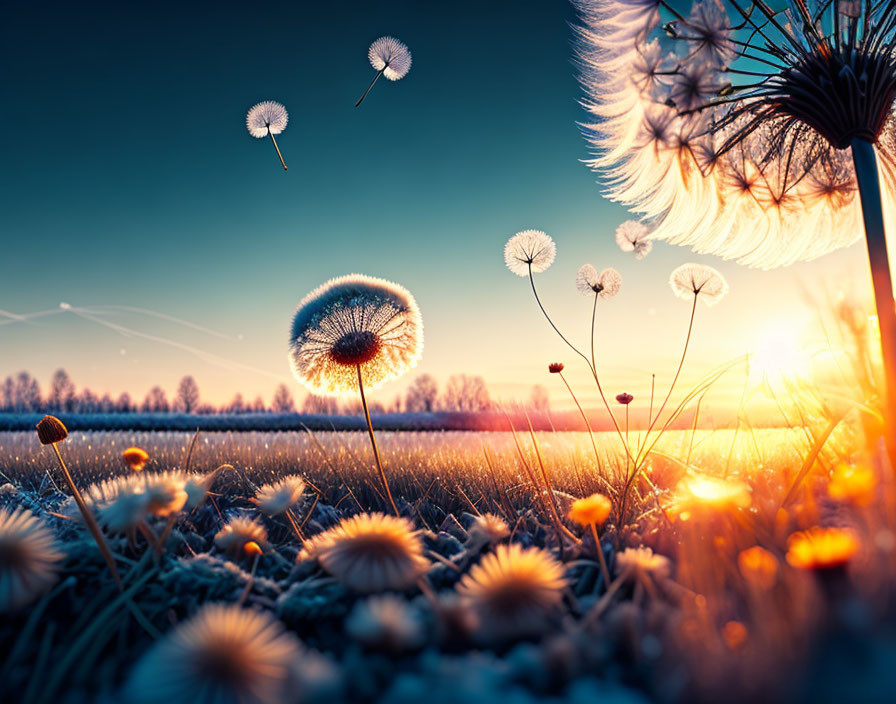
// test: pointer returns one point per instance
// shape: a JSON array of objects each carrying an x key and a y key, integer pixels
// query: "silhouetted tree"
[
  {"x": 237, "y": 405},
  {"x": 124, "y": 403},
  {"x": 87, "y": 402},
  {"x": 422, "y": 395},
  {"x": 8, "y": 394},
  {"x": 320, "y": 405},
  {"x": 155, "y": 401},
  {"x": 26, "y": 394},
  {"x": 62, "y": 392},
  {"x": 187, "y": 399},
  {"x": 258, "y": 405},
  {"x": 467, "y": 393},
  {"x": 283, "y": 401}
]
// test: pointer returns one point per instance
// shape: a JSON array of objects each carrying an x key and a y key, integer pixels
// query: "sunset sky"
[{"x": 130, "y": 181}]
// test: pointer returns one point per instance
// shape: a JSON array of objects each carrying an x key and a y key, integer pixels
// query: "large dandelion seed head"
[
  {"x": 529, "y": 249},
  {"x": 274, "y": 499},
  {"x": 265, "y": 116},
  {"x": 605, "y": 284},
  {"x": 706, "y": 283},
  {"x": 29, "y": 559},
  {"x": 222, "y": 654},
  {"x": 350, "y": 322},
  {"x": 726, "y": 128},
  {"x": 631, "y": 236},
  {"x": 390, "y": 56},
  {"x": 514, "y": 590},
  {"x": 370, "y": 552}
]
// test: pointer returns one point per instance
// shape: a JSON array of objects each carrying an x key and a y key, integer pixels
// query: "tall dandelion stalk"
[
  {"x": 746, "y": 131},
  {"x": 354, "y": 332}
]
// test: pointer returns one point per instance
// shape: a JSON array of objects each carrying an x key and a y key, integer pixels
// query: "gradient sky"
[{"x": 129, "y": 179}]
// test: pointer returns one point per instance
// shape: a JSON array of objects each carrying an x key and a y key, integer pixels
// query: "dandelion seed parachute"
[
  {"x": 350, "y": 322},
  {"x": 706, "y": 283},
  {"x": 389, "y": 58},
  {"x": 265, "y": 119},
  {"x": 632, "y": 236},
  {"x": 606, "y": 284},
  {"x": 529, "y": 249}
]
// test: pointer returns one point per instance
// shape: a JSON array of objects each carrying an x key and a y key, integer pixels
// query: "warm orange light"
[
  {"x": 855, "y": 484},
  {"x": 734, "y": 633},
  {"x": 821, "y": 548},
  {"x": 135, "y": 458},
  {"x": 252, "y": 548},
  {"x": 758, "y": 566},
  {"x": 592, "y": 510},
  {"x": 702, "y": 492}
]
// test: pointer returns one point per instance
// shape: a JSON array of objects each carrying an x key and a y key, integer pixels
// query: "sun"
[{"x": 781, "y": 353}]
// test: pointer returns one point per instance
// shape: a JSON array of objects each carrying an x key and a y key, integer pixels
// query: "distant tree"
[
  {"x": 320, "y": 405},
  {"x": 467, "y": 393},
  {"x": 283, "y": 401},
  {"x": 106, "y": 404},
  {"x": 26, "y": 394},
  {"x": 62, "y": 392},
  {"x": 124, "y": 404},
  {"x": 258, "y": 405},
  {"x": 187, "y": 399},
  {"x": 237, "y": 405},
  {"x": 156, "y": 401},
  {"x": 8, "y": 394},
  {"x": 539, "y": 399},
  {"x": 422, "y": 395},
  {"x": 395, "y": 406},
  {"x": 355, "y": 408},
  {"x": 87, "y": 402}
]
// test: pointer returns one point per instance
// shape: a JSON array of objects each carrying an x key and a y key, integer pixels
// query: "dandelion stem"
[
  {"x": 89, "y": 519},
  {"x": 375, "y": 79},
  {"x": 274, "y": 140},
  {"x": 865, "y": 162},
  {"x": 600, "y": 557},
  {"x": 376, "y": 452},
  {"x": 584, "y": 418}
]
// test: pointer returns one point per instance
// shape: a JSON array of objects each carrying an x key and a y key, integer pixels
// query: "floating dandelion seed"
[
  {"x": 752, "y": 139},
  {"x": 529, "y": 252},
  {"x": 223, "y": 654},
  {"x": 355, "y": 332},
  {"x": 389, "y": 58},
  {"x": 698, "y": 280},
  {"x": 29, "y": 559},
  {"x": 631, "y": 236},
  {"x": 274, "y": 499},
  {"x": 370, "y": 552},
  {"x": 514, "y": 591},
  {"x": 606, "y": 284},
  {"x": 267, "y": 119}
]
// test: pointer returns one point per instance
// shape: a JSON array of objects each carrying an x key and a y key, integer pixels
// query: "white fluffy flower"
[
  {"x": 529, "y": 249},
  {"x": 698, "y": 280},
  {"x": 631, "y": 236},
  {"x": 390, "y": 56},
  {"x": 266, "y": 116},
  {"x": 606, "y": 284}
]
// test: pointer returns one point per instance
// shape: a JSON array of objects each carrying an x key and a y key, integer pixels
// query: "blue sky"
[{"x": 130, "y": 179}]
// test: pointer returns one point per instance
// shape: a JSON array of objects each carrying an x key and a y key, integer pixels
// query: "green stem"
[
  {"x": 865, "y": 161},
  {"x": 376, "y": 452}
]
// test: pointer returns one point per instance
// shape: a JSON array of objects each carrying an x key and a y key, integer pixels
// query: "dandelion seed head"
[
  {"x": 691, "y": 280},
  {"x": 640, "y": 562},
  {"x": 222, "y": 654},
  {"x": 392, "y": 55},
  {"x": 529, "y": 249},
  {"x": 120, "y": 503},
  {"x": 350, "y": 322},
  {"x": 370, "y": 552},
  {"x": 385, "y": 622},
  {"x": 514, "y": 590},
  {"x": 631, "y": 236},
  {"x": 264, "y": 116},
  {"x": 274, "y": 499},
  {"x": 165, "y": 492},
  {"x": 29, "y": 559},
  {"x": 734, "y": 142},
  {"x": 605, "y": 284},
  {"x": 488, "y": 528}
]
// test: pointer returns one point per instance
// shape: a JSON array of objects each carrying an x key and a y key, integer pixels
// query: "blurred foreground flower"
[
  {"x": 389, "y": 58},
  {"x": 238, "y": 533},
  {"x": 386, "y": 623},
  {"x": 856, "y": 484},
  {"x": 29, "y": 559},
  {"x": 274, "y": 499},
  {"x": 758, "y": 567},
  {"x": 223, "y": 654},
  {"x": 515, "y": 591},
  {"x": 370, "y": 552},
  {"x": 135, "y": 458},
  {"x": 267, "y": 119},
  {"x": 821, "y": 548}
]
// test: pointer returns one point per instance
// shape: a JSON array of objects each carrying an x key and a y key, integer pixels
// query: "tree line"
[{"x": 22, "y": 393}]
